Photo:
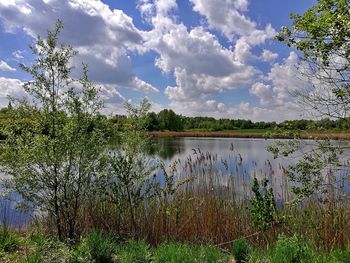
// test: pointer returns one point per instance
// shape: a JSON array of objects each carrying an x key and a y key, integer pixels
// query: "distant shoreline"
[{"x": 242, "y": 134}]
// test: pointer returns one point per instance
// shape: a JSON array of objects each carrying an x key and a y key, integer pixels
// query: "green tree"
[
  {"x": 169, "y": 120},
  {"x": 130, "y": 170},
  {"x": 54, "y": 163},
  {"x": 321, "y": 35}
]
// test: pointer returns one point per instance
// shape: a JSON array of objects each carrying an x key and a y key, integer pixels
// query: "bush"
[
  {"x": 35, "y": 257},
  {"x": 173, "y": 253},
  {"x": 341, "y": 256},
  {"x": 295, "y": 249},
  {"x": 241, "y": 250},
  {"x": 134, "y": 252},
  {"x": 9, "y": 242},
  {"x": 101, "y": 247},
  {"x": 209, "y": 254}
]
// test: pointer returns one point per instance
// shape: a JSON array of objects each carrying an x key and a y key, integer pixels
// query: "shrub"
[
  {"x": 173, "y": 253},
  {"x": 209, "y": 254},
  {"x": 295, "y": 249},
  {"x": 241, "y": 250},
  {"x": 342, "y": 256},
  {"x": 134, "y": 252},
  {"x": 101, "y": 247},
  {"x": 35, "y": 257},
  {"x": 9, "y": 242}
]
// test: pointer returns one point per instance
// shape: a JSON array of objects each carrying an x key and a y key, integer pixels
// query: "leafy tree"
[
  {"x": 130, "y": 170},
  {"x": 263, "y": 206},
  {"x": 152, "y": 122},
  {"x": 54, "y": 162},
  {"x": 169, "y": 120},
  {"x": 321, "y": 35}
]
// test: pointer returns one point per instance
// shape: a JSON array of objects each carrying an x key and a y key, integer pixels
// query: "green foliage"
[
  {"x": 169, "y": 120},
  {"x": 263, "y": 206},
  {"x": 127, "y": 182},
  {"x": 241, "y": 250},
  {"x": 341, "y": 256},
  {"x": 54, "y": 160},
  {"x": 96, "y": 247},
  {"x": 34, "y": 257},
  {"x": 295, "y": 249},
  {"x": 9, "y": 241},
  {"x": 321, "y": 35},
  {"x": 307, "y": 174},
  {"x": 134, "y": 252},
  {"x": 209, "y": 254},
  {"x": 175, "y": 252},
  {"x": 102, "y": 247}
]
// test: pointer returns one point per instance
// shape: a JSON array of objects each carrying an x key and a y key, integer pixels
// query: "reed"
[{"x": 212, "y": 207}]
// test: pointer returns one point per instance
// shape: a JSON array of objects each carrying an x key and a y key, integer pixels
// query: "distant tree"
[
  {"x": 169, "y": 120},
  {"x": 152, "y": 122},
  {"x": 54, "y": 163}
]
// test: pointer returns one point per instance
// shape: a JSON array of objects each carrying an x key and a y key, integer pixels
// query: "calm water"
[
  {"x": 221, "y": 166},
  {"x": 227, "y": 166}
]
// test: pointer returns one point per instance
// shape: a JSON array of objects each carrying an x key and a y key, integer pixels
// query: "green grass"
[
  {"x": 104, "y": 248},
  {"x": 9, "y": 241}
]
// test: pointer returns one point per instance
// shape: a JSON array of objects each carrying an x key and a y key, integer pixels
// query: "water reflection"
[
  {"x": 167, "y": 148},
  {"x": 227, "y": 166}
]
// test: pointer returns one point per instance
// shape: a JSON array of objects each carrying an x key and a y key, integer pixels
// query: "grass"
[
  {"x": 200, "y": 223},
  {"x": 104, "y": 248}
]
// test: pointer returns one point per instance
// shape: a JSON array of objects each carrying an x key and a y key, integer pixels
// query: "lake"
[
  {"x": 227, "y": 166},
  {"x": 220, "y": 166}
]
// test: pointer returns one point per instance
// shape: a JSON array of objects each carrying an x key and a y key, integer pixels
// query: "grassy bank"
[
  {"x": 254, "y": 133},
  {"x": 36, "y": 247}
]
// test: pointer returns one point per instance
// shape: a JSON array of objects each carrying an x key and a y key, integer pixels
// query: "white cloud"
[
  {"x": 5, "y": 67},
  {"x": 264, "y": 92},
  {"x": 10, "y": 87},
  {"x": 18, "y": 54},
  {"x": 225, "y": 16},
  {"x": 275, "y": 91},
  {"x": 102, "y": 36},
  {"x": 245, "y": 43},
  {"x": 202, "y": 67},
  {"x": 268, "y": 56}
]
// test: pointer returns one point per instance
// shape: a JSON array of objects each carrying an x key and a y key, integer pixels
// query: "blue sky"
[{"x": 199, "y": 57}]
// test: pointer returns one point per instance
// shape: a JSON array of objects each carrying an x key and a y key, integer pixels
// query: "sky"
[{"x": 213, "y": 58}]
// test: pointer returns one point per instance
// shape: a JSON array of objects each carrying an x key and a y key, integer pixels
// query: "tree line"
[{"x": 168, "y": 120}]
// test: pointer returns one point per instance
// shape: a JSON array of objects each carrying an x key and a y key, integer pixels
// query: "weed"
[
  {"x": 241, "y": 250},
  {"x": 9, "y": 242},
  {"x": 295, "y": 249}
]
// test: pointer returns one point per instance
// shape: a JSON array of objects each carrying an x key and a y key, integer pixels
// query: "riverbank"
[{"x": 335, "y": 135}]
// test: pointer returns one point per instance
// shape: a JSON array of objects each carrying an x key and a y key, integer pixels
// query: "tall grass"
[{"x": 212, "y": 208}]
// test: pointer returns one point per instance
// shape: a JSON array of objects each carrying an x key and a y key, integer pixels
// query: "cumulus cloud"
[
  {"x": 268, "y": 56},
  {"x": 201, "y": 66},
  {"x": 5, "y": 67},
  {"x": 275, "y": 91},
  {"x": 102, "y": 36},
  {"x": 226, "y": 16},
  {"x": 10, "y": 87}
]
